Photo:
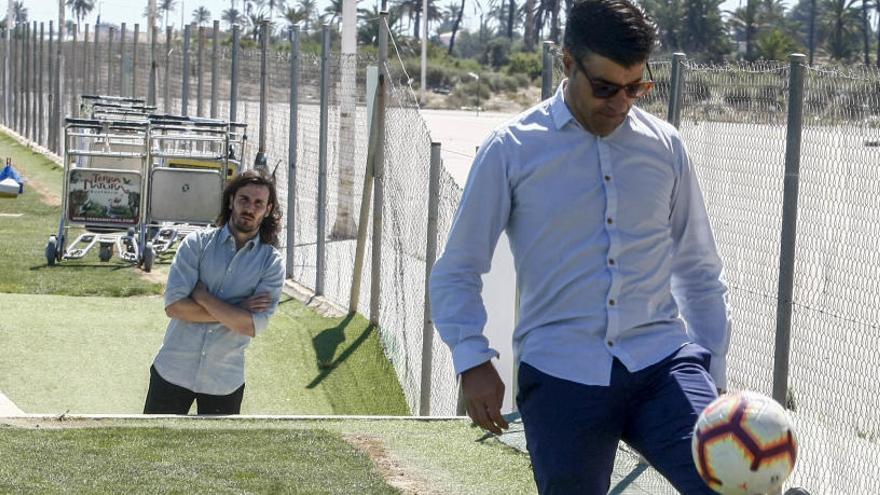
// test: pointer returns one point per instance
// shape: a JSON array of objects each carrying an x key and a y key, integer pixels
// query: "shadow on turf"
[{"x": 326, "y": 344}]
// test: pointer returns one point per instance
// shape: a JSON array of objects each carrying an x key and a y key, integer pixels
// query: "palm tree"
[
  {"x": 166, "y": 7},
  {"x": 19, "y": 12},
  {"x": 307, "y": 8},
  {"x": 80, "y": 8},
  {"x": 201, "y": 16},
  {"x": 745, "y": 20},
  {"x": 275, "y": 4},
  {"x": 529, "y": 39},
  {"x": 456, "y": 25},
  {"x": 841, "y": 19},
  {"x": 668, "y": 14},
  {"x": 255, "y": 20},
  {"x": 231, "y": 17}
]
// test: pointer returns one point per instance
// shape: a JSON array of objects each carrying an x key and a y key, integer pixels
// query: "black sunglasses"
[{"x": 604, "y": 89}]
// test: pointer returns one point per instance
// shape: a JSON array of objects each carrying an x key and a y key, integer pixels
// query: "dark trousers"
[
  {"x": 573, "y": 430},
  {"x": 164, "y": 397}
]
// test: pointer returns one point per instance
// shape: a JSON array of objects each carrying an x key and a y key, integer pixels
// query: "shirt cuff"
[
  {"x": 718, "y": 370},
  {"x": 261, "y": 321},
  {"x": 470, "y": 353}
]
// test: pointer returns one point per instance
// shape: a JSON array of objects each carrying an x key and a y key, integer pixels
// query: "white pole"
[{"x": 424, "y": 27}]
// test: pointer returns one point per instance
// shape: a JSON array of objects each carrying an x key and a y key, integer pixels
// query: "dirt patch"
[
  {"x": 47, "y": 196},
  {"x": 406, "y": 479}
]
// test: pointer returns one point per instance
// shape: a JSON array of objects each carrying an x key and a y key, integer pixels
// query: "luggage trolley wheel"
[
  {"x": 106, "y": 251},
  {"x": 52, "y": 250},
  {"x": 149, "y": 257}
]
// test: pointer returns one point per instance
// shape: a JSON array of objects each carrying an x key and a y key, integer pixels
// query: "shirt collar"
[
  {"x": 558, "y": 109},
  {"x": 226, "y": 236}
]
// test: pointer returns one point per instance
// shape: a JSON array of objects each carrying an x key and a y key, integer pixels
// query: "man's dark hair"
[
  {"x": 271, "y": 222},
  {"x": 615, "y": 29}
]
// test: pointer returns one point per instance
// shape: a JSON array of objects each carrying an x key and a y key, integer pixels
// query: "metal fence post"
[
  {"x": 96, "y": 70},
  {"x": 110, "y": 31},
  {"x": 50, "y": 68},
  {"x": 151, "y": 86},
  {"x": 27, "y": 68},
  {"x": 378, "y": 175},
  {"x": 260, "y": 160},
  {"x": 292, "y": 144},
  {"x": 322, "y": 159},
  {"x": 676, "y": 81},
  {"x": 74, "y": 87},
  {"x": 134, "y": 60},
  {"x": 233, "y": 85},
  {"x": 59, "y": 92},
  {"x": 166, "y": 89},
  {"x": 547, "y": 71},
  {"x": 200, "y": 72},
  {"x": 789, "y": 227},
  {"x": 7, "y": 72},
  {"x": 184, "y": 95},
  {"x": 215, "y": 63},
  {"x": 41, "y": 108},
  {"x": 87, "y": 60},
  {"x": 122, "y": 71},
  {"x": 430, "y": 257}
]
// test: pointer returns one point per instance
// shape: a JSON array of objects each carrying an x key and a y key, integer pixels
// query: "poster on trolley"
[{"x": 104, "y": 197}]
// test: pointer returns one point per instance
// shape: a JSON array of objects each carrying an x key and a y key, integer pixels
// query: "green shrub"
[{"x": 525, "y": 64}]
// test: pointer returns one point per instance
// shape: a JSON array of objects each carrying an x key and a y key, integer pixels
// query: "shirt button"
[
  {"x": 210, "y": 331},
  {"x": 610, "y": 343},
  {"x": 611, "y": 302},
  {"x": 610, "y": 261},
  {"x": 607, "y": 178},
  {"x": 203, "y": 354},
  {"x": 610, "y": 221}
]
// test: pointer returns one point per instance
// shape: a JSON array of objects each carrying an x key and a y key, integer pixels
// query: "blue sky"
[{"x": 130, "y": 11}]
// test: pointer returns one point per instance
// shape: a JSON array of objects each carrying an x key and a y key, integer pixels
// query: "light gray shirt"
[
  {"x": 208, "y": 358},
  {"x": 614, "y": 254}
]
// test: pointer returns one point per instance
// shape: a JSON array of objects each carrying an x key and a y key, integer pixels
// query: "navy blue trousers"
[{"x": 573, "y": 430}]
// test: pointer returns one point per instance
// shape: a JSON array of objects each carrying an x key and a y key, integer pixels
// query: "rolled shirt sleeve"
[
  {"x": 271, "y": 281},
  {"x": 456, "y": 279},
  {"x": 184, "y": 272},
  {"x": 697, "y": 275}
]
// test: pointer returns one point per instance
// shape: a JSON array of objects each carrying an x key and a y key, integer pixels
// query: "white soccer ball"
[{"x": 743, "y": 444}]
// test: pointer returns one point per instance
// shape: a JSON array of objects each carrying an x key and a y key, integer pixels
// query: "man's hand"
[
  {"x": 483, "y": 393},
  {"x": 257, "y": 303}
]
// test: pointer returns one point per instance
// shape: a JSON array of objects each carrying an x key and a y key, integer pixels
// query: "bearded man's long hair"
[{"x": 271, "y": 224}]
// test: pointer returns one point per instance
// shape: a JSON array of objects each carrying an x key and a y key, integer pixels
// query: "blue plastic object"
[{"x": 10, "y": 172}]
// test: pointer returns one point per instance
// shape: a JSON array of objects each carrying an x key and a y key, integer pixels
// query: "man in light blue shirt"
[
  {"x": 223, "y": 286},
  {"x": 623, "y": 328}
]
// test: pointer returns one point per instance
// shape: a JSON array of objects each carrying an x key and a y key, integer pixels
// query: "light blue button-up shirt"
[
  {"x": 208, "y": 358},
  {"x": 614, "y": 254}
]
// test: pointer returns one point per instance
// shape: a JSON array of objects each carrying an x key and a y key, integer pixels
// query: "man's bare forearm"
[{"x": 188, "y": 310}]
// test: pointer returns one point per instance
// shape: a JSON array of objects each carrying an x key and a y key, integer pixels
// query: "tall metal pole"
[
  {"x": 547, "y": 71},
  {"x": 41, "y": 109},
  {"x": 430, "y": 257},
  {"x": 96, "y": 70},
  {"x": 260, "y": 160},
  {"x": 379, "y": 175},
  {"x": 292, "y": 144},
  {"x": 215, "y": 66},
  {"x": 59, "y": 82},
  {"x": 50, "y": 89},
  {"x": 789, "y": 228},
  {"x": 28, "y": 73},
  {"x": 322, "y": 160},
  {"x": 184, "y": 96},
  {"x": 134, "y": 61},
  {"x": 122, "y": 72},
  {"x": 673, "y": 114},
  {"x": 7, "y": 63},
  {"x": 74, "y": 87},
  {"x": 110, "y": 32},
  {"x": 423, "y": 83},
  {"x": 87, "y": 61},
  {"x": 166, "y": 90},
  {"x": 154, "y": 65},
  {"x": 200, "y": 72},
  {"x": 233, "y": 85}
]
